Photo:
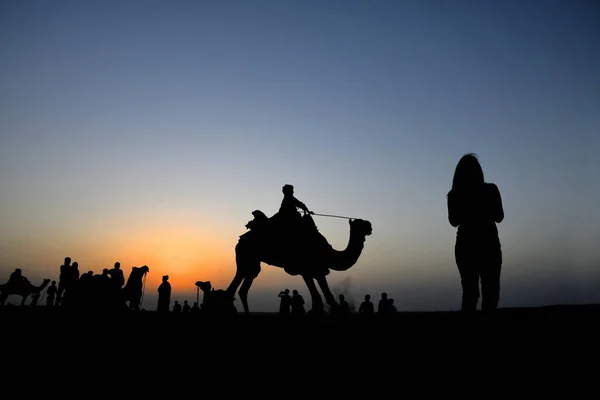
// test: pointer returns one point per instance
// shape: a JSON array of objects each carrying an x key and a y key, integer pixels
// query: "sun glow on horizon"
[{"x": 185, "y": 253}]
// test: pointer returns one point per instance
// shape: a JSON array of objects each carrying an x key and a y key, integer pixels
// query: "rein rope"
[{"x": 143, "y": 291}]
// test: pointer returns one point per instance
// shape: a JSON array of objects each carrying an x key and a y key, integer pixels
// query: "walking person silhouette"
[{"x": 475, "y": 207}]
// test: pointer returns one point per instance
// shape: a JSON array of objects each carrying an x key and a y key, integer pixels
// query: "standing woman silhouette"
[{"x": 475, "y": 207}]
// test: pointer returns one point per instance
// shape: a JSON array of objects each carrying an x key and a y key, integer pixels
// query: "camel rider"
[
  {"x": 17, "y": 278},
  {"x": 290, "y": 204},
  {"x": 288, "y": 216}
]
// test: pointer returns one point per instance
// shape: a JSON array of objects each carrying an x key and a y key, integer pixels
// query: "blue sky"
[{"x": 148, "y": 131}]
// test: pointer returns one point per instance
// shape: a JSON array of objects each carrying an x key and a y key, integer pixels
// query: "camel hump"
[
  {"x": 259, "y": 215},
  {"x": 259, "y": 219}
]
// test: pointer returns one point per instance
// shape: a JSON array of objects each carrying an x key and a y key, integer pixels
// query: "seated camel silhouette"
[
  {"x": 23, "y": 289},
  {"x": 216, "y": 301},
  {"x": 301, "y": 250}
]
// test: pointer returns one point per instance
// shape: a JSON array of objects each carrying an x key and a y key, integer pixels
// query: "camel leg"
[
  {"x": 317, "y": 301},
  {"x": 23, "y": 301},
  {"x": 244, "y": 293},
  {"x": 235, "y": 283},
  {"x": 329, "y": 298}
]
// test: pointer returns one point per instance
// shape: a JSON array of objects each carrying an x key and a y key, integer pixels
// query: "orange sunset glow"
[{"x": 186, "y": 254}]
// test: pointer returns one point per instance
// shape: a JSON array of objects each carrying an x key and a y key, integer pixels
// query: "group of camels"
[{"x": 302, "y": 251}]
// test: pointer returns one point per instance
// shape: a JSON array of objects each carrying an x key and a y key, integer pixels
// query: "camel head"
[
  {"x": 204, "y": 286},
  {"x": 145, "y": 269},
  {"x": 360, "y": 227}
]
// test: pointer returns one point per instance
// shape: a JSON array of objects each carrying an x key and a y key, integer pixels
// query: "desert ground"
[{"x": 538, "y": 350}]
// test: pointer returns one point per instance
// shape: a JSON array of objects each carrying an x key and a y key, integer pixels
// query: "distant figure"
[
  {"x": 117, "y": 275},
  {"x": 285, "y": 303},
  {"x": 297, "y": 303},
  {"x": 344, "y": 306},
  {"x": 195, "y": 308},
  {"x": 17, "y": 279},
  {"x": 475, "y": 207},
  {"x": 383, "y": 308},
  {"x": 393, "y": 309},
  {"x": 366, "y": 308},
  {"x": 176, "y": 307},
  {"x": 164, "y": 295},
  {"x": 70, "y": 297},
  {"x": 186, "y": 307},
  {"x": 51, "y": 294},
  {"x": 63, "y": 279}
]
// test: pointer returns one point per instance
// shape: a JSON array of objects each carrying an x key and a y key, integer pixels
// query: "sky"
[{"x": 146, "y": 132}]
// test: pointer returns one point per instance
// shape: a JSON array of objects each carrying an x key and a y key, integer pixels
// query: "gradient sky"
[{"x": 146, "y": 132}]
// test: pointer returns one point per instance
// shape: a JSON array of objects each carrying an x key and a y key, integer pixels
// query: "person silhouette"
[
  {"x": 164, "y": 295},
  {"x": 290, "y": 220},
  {"x": 297, "y": 303},
  {"x": 116, "y": 273},
  {"x": 285, "y": 303},
  {"x": 176, "y": 307},
  {"x": 475, "y": 207},
  {"x": 16, "y": 278},
  {"x": 344, "y": 306},
  {"x": 367, "y": 307},
  {"x": 290, "y": 204},
  {"x": 51, "y": 294},
  {"x": 383, "y": 307}
]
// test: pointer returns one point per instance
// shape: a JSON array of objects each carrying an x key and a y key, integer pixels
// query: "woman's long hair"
[{"x": 468, "y": 173}]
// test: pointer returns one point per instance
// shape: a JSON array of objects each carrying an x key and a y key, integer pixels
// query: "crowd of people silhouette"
[
  {"x": 294, "y": 305},
  {"x": 474, "y": 208}
]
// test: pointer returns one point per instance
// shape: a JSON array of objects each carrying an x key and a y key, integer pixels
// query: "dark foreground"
[{"x": 539, "y": 351}]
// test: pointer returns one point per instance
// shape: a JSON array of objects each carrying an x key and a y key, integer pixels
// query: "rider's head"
[
  {"x": 18, "y": 271},
  {"x": 288, "y": 189},
  {"x": 117, "y": 265}
]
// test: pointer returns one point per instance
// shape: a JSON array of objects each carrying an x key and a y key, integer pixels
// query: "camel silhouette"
[
  {"x": 216, "y": 301},
  {"x": 299, "y": 250},
  {"x": 23, "y": 289},
  {"x": 132, "y": 291}
]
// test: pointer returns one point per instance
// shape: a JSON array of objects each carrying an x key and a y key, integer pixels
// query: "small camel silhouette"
[
  {"x": 23, "y": 289},
  {"x": 216, "y": 301}
]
